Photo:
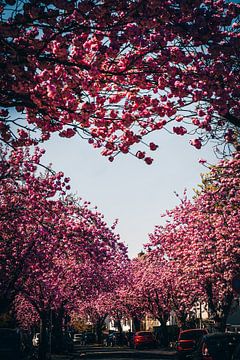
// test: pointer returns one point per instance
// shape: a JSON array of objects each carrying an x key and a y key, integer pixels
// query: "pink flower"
[
  {"x": 140, "y": 154},
  {"x": 153, "y": 146},
  {"x": 179, "y": 130},
  {"x": 196, "y": 143},
  {"x": 148, "y": 160}
]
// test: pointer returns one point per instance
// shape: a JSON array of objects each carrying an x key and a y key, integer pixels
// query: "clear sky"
[{"x": 128, "y": 189}]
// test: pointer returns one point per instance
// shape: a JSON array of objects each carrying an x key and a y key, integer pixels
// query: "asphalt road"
[
  {"x": 129, "y": 358},
  {"x": 78, "y": 356},
  {"x": 117, "y": 353},
  {"x": 121, "y": 353}
]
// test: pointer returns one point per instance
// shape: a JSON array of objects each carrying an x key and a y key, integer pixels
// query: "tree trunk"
[
  {"x": 5, "y": 304},
  {"x": 182, "y": 320},
  {"x": 99, "y": 328},
  {"x": 58, "y": 344},
  {"x": 98, "y": 331},
  {"x": 219, "y": 311},
  {"x": 119, "y": 327},
  {"x": 164, "y": 340},
  {"x": 43, "y": 344},
  {"x": 221, "y": 318},
  {"x": 136, "y": 324}
]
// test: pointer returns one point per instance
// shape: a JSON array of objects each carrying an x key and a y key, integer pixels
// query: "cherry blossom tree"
[
  {"x": 114, "y": 72},
  {"x": 106, "y": 300},
  {"x": 153, "y": 291},
  {"x": 128, "y": 301},
  {"x": 54, "y": 250},
  {"x": 26, "y": 208},
  {"x": 173, "y": 286},
  {"x": 95, "y": 310},
  {"x": 201, "y": 239}
]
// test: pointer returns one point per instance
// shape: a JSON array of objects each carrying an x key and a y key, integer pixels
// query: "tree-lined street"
[{"x": 113, "y": 73}]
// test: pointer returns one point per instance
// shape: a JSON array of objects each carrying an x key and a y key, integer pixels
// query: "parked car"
[
  {"x": 36, "y": 339},
  {"x": 11, "y": 344},
  {"x": 188, "y": 340},
  {"x": 144, "y": 339},
  {"x": 217, "y": 346}
]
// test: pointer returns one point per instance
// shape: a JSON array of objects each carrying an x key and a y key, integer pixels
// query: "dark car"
[
  {"x": 217, "y": 346},
  {"x": 11, "y": 344},
  {"x": 188, "y": 340},
  {"x": 144, "y": 339}
]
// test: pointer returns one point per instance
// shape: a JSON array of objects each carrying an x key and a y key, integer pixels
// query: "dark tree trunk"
[
  {"x": 99, "y": 326},
  {"x": 57, "y": 337},
  {"x": 119, "y": 325},
  {"x": 99, "y": 335},
  {"x": 136, "y": 324},
  {"x": 182, "y": 320},
  {"x": 43, "y": 345},
  {"x": 5, "y": 304},
  {"x": 219, "y": 312},
  {"x": 164, "y": 340}
]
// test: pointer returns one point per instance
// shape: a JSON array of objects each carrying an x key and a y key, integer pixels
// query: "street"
[
  {"x": 78, "y": 356},
  {"x": 92, "y": 352},
  {"x": 107, "y": 353},
  {"x": 129, "y": 358}
]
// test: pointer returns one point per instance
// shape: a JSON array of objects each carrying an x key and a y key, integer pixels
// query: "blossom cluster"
[{"x": 117, "y": 71}]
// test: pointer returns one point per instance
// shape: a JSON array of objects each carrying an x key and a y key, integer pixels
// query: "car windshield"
[
  {"x": 144, "y": 333},
  {"x": 192, "y": 335}
]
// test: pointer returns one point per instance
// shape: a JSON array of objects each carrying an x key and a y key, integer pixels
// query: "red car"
[
  {"x": 187, "y": 341},
  {"x": 144, "y": 339}
]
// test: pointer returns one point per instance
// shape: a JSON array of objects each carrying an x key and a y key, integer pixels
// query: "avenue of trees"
[
  {"x": 189, "y": 261},
  {"x": 113, "y": 72},
  {"x": 60, "y": 260}
]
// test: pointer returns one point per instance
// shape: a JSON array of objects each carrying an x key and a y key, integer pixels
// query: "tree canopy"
[{"x": 116, "y": 71}]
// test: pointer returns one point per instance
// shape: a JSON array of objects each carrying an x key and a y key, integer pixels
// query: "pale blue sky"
[{"x": 128, "y": 189}]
